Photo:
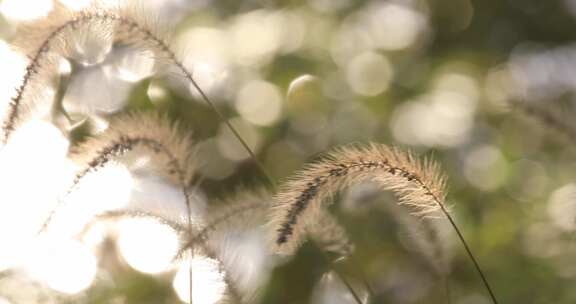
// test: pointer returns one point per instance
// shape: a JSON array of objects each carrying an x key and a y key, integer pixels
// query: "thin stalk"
[
  {"x": 189, "y": 226},
  {"x": 186, "y": 194},
  {"x": 268, "y": 177},
  {"x": 347, "y": 284},
  {"x": 470, "y": 255},
  {"x": 229, "y": 125},
  {"x": 465, "y": 244}
]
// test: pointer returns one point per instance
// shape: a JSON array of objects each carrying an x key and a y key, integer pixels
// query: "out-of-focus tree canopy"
[{"x": 486, "y": 88}]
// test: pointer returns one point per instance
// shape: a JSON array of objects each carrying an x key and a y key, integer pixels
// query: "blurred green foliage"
[{"x": 502, "y": 167}]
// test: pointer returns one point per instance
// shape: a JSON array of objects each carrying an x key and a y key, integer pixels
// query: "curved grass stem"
[{"x": 471, "y": 256}]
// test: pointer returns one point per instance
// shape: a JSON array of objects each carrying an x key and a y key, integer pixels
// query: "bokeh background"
[{"x": 448, "y": 79}]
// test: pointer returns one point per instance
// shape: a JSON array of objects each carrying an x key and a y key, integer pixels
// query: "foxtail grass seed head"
[{"x": 417, "y": 184}]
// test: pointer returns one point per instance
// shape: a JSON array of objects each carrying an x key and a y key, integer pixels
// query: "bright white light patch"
[
  {"x": 209, "y": 75},
  {"x": 64, "y": 265},
  {"x": 394, "y": 26},
  {"x": 157, "y": 93},
  {"x": 134, "y": 65},
  {"x": 208, "y": 284},
  {"x": 147, "y": 245},
  {"x": 256, "y": 36},
  {"x": 442, "y": 118},
  {"x": 485, "y": 168},
  {"x": 369, "y": 74},
  {"x": 34, "y": 171},
  {"x": 75, "y": 5},
  {"x": 260, "y": 103},
  {"x": 22, "y": 10},
  {"x": 352, "y": 38},
  {"x": 247, "y": 260},
  {"x": 562, "y": 207},
  {"x": 4, "y": 301},
  {"x": 91, "y": 47},
  {"x": 108, "y": 188},
  {"x": 208, "y": 63},
  {"x": 458, "y": 83},
  {"x": 96, "y": 90}
]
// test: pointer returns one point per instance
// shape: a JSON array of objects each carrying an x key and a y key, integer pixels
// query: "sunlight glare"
[
  {"x": 76, "y": 5},
  {"x": 208, "y": 284},
  {"x": 30, "y": 182},
  {"x": 147, "y": 245},
  {"x": 66, "y": 266},
  {"x": 25, "y": 10},
  {"x": 109, "y": 189},
  {"x": 209, "y": 63},
  {"x": 134, "y": 65},
  {"x": 247, "y": 259},
  {"x": 96, "y": 90}
]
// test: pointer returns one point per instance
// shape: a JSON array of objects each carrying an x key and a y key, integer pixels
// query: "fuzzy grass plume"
[
  {"x": 247, "y": 210},
  {"x": 168, "y": 150},
  {"x": 224, "y": 218},
  {"x": 251, "y": 207},
  {"x": 418, "y": 185},
  {"x": 232, "y": 294},
  {"x": 428, "y": 238},
  {"x": 331, "y": 236},
  {"x": 113, "y": 215},
  {"x": 243, "y": 212},
  {"x": 48, "y": 41},
  {"x": 58, "y": 36},
  {"x": 169, "y": 154}
]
